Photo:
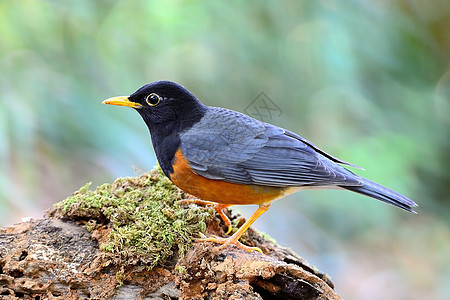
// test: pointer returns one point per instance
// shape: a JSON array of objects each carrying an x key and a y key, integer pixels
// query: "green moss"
[
  {"x": 147, "y": 224},
  {"x": 181, "y": 270},
  {"x": 267, "y": 237}
]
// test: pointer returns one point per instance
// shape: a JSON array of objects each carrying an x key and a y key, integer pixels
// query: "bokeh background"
[{"x": 368, "y": 81}]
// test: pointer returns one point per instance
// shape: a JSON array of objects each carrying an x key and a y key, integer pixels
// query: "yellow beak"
[{"x": 122, "y": 101}]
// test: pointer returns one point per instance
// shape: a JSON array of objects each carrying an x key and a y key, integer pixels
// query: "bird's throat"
[{"x": 165, "y": 143}]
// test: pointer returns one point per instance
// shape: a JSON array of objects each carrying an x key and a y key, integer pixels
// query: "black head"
[
  {"x": 168, "y": 109},
  {"x": 162, "y": 102}
]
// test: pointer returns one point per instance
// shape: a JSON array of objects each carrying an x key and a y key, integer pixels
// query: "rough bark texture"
[
  {"x": 63, "y": 256},
  {"x": 54, "y": 258}
]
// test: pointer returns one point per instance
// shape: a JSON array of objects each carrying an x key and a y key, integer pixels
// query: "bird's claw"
[{"x": 228, "y": 241}]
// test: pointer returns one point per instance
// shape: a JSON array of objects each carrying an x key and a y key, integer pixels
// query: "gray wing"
[{"x": 233, "y": 147}]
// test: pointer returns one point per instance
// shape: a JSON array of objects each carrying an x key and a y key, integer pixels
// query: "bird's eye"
[{"x": 153, "y": 99}]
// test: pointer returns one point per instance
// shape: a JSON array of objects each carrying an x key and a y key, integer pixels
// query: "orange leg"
[
  {"x": 217, "y": 206},
  {"x": 234, "y": 239}
]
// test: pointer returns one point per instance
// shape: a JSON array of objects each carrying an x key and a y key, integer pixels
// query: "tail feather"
[{"x": 379, "y": 192}]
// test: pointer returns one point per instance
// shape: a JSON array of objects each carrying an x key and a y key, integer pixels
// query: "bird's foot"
[{"x": 228, "y": 241}]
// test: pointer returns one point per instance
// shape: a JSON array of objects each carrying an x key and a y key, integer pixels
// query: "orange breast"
[{"x": 220, "y": 191}]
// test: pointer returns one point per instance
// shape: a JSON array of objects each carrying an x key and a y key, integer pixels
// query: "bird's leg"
[
  {"x": 219, "y": 209},
  {"x": 217, "y": 206},
  {"x": 234, "y": 239}
]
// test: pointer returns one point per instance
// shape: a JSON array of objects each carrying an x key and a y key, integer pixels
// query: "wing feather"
[{"x": 230, "y": 146}]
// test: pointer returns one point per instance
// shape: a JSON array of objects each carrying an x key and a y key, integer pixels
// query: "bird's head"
[{"x": 162, "y": 102}]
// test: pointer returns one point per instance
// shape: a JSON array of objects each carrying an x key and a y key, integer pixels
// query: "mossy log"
[{"x": 132, "y": 240}]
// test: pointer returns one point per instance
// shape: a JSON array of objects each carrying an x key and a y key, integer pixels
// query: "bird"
[{"x": 224, "y": 157}]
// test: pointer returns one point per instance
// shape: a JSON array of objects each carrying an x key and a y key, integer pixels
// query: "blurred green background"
[{"x": 367, "y": 81}]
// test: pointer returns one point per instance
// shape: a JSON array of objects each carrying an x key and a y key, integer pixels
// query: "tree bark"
[{"x": 57, "y": 258}]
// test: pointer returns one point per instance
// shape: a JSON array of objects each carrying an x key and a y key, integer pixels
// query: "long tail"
[{"x": 382, "y": 193}]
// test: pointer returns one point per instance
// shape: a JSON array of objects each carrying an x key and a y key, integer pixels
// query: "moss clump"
[
  {"x": 181, "y": 270},
  {"x": 147, "y": 225},
  {"x": 267, "y": 237}
]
